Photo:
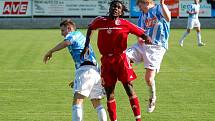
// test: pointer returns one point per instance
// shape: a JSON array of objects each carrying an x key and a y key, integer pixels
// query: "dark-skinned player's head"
[{"x": 117, "y": 9}]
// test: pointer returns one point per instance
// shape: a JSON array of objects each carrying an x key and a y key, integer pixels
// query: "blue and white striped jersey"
[
  {"x": 77, "y": 40},
  {"x": 193, "y": 8},
  {"x": 155, "y": 25}
]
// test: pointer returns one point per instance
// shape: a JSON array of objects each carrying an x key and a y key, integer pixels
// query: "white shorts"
[
  {"x": 151, "y": 55},
  {"x": 193, "y": 23},
  {"x": 88, "y": 82}
]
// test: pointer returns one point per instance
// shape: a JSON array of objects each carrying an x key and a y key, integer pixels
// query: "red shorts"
[{"x": 116, "y": 67}]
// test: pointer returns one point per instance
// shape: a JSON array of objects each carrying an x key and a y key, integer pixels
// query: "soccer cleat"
[
  {"x": 151, "y": 105},
  {"x": 201, "y": 44},
  {"x": 181, "y": 43}
]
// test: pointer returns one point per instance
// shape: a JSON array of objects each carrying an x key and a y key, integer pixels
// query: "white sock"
[
  {"x": 102, "y": 116},
  {"x": 183, "y": 37},
  {"x": 199, "y": 37},
  {"x": 152, "y": 90},
  {"x": 77, "y": 113}
]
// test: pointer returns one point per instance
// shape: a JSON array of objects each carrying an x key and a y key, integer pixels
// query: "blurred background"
[{"x": 48, "y": 13}]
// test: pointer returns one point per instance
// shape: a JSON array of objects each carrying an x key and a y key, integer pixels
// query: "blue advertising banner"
[
  {"x": 213, "y": 12},
  {"x": 213, "y": 9},
  {"x": 134, "y": 10},
  {"x": 212, "y": 2}
]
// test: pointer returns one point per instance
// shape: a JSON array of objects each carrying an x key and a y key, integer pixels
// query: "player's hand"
[
  {"x": 47, "y": 56},
  {"x": 188, "y": 12},
  {"x": 85, "y": 51},
  {"x": 140, "y": 41},
  {"x": 147, "y": 39},
  {"x": 162, "y": 2},
  {"x": 71, "y": 84}
]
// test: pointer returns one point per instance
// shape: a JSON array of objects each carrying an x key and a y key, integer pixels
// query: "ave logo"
[{"x": 15, "y": 8}]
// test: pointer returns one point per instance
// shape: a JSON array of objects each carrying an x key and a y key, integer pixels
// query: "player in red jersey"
[{"x": 112, "y": 43}]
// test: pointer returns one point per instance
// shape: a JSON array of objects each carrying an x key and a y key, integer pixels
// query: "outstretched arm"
[
  {"x": 139, "y": 32},
  {"x": 166, "y": 12},
  {"x": 86, "y": 48},
  {"x": 92, "y": 26},
  {"x": 58, "y": 47}
]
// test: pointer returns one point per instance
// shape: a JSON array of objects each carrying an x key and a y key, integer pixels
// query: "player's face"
[
  {"x": 196, "y": 1},
  {"x": 64, "y": 31},
  {"x": 143, "y": 6},
  {"x": 116, "y": 10}
]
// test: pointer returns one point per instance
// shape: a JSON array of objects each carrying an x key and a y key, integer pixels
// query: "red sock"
[
  {"x": 111, "y": 105},
  {"x": 135, "y": 107}
]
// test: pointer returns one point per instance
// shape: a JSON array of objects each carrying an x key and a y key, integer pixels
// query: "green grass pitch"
[{"x": 33, "y": 91}]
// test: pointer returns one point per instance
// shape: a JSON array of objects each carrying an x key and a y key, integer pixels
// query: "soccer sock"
[
  {"x": 111, "y": 105},
  {"x": 135, "y": 107},
  {"x": 182, "y": 39},
  {"x": 152, "y": 90},
  {"x": 102, "y": 116},
  {"x": 77, "y": 113},
  {"x": 199, "y": 37}
]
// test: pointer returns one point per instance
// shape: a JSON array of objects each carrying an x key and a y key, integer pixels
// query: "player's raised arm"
[
  {"x": 58, "y": 47},
  {"x": 92, "y": 26},
  {"x": 86, "y": 48},
  {"x": 139, "y": 32},
  {"x": 166, "y": 12}
]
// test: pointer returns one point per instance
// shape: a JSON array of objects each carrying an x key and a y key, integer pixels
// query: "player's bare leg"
[
  {"x": 77, "y": 108},
  {"x": 199, "y": 38},
  {"x": 150, "y": 80},
  {"x": 111, "y": 103},
  {"x": 181, "y": 41},
  {"x": 134, "y": 102},
  {"x": 102, "y": 116}
]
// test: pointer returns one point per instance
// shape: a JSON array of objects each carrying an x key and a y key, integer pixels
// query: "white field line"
[
  {"x": 34, "y": 89},
  {"x": 30, "y": 83},
  {"x": 43, "y": 113},
  {"x": 37, "y": 70}
]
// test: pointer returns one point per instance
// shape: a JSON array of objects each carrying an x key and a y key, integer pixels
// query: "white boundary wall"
[
  {"x": 47, "y": 23},
  {"x": 31, "y": 8}
]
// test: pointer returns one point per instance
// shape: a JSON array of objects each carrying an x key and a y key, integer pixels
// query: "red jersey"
[{"x": 113, "y": 34}]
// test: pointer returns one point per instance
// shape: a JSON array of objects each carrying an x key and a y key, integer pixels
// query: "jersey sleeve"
[
  {"x": 135, "y": 29},
  {"x": 94, "y": 24},
  {"x": 69, "y": 38}
]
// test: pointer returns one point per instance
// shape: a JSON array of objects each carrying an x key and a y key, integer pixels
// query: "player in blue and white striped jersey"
[
  {"x": 193, "y": 21},
  {"x": 156, "y": 26},
  {"x": 87, "y": 77},
  {"x": 155, "y": 19}
]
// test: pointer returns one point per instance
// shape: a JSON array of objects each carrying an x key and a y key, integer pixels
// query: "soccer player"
[
  {"x": 193, "y": 21},
  {"x": 87, "y": 78},
  {"x": 155, "y": 19},
  {"x": 112, "y": 43}
]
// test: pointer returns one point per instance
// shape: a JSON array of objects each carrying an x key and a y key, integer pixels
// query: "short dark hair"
[
  {"x": 124, "y": 8},
  {"x": 68, "y": 22}
]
